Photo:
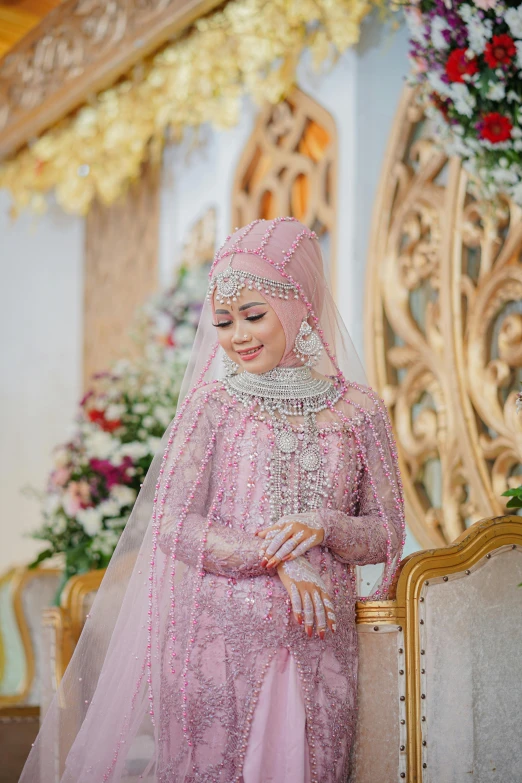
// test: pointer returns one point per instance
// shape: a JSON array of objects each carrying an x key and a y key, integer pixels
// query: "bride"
[{"x": 221, "y": 645}]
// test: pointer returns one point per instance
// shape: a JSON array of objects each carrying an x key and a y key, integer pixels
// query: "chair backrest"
[
  {"x": 440, "y": 676},
  {"x": 24, "y": 594}
]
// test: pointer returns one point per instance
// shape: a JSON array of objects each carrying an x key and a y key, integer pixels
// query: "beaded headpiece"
[{"x": 230, "y": 282}]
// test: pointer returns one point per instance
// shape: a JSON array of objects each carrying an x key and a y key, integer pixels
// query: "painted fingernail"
[
  {"x": 309, "y": 632},
  {"x": 321, "y": 634},
  {"x": 264, "y": 561}
]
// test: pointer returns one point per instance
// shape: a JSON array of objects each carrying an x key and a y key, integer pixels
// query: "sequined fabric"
[{"x": 230, "y": 617}]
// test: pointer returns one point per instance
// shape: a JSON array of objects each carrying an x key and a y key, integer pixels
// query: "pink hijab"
[{"x": 303, "y": 244}]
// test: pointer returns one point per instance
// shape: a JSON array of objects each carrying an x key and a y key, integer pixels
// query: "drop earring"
[{"x": 308, "y": 346}]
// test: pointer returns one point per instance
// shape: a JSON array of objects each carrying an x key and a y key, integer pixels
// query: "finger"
[
  {"x": 297, "y": 605},
  {"x": 320, "y": 615},
  {"x": 308, "y": 613},
  {"x": 264, "y": 532},
  {"x": 307, "y": 544},
  {"x": 287, "y": 547},
  {"x": 278, "y": 540}
]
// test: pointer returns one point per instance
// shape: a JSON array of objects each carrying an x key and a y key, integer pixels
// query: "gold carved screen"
[
  {"x": 289, "y": 167},
  {"x": 444, "y": 332}
]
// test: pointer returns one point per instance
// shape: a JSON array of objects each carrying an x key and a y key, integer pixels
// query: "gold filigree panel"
[
  {"x": 289, "y": 167},
  {"x": 444, "y": 332},
  {"x": 81, "y": 47},
  {"x": 121, "y": 271}
]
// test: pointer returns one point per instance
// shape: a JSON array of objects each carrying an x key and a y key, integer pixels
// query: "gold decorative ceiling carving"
[
  {"x": 81, "y": 47},
  {"x": 444, "y": 332},
  {"x": 18, "y": 17}
]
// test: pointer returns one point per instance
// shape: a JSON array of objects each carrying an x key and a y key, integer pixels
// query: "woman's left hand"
[{"x": 288, "y": 539}]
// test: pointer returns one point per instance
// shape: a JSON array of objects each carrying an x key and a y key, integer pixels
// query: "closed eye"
[{"x": 248, "y": 318}]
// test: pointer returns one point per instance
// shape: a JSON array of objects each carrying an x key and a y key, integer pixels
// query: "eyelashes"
[{"x": 248, "y": 318}]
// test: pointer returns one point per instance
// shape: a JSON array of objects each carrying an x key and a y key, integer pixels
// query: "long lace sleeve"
[
  {"x": 190, "y": 524},
  {"x": 375, "y": 533}
]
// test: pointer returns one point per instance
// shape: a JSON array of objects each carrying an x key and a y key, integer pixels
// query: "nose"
[{"x": 241, "y": 334}]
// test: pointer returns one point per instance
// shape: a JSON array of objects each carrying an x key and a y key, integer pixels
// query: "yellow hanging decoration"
[{"x": 249, "y": 47}]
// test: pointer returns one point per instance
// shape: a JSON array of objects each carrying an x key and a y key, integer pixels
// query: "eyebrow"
[{"x": 243, "y": 307}]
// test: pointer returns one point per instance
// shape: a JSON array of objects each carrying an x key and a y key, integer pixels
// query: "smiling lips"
[{"x": 251, "y": 353}]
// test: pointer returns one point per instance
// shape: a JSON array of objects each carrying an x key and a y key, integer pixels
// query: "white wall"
[{"x": 40, "y": 361}]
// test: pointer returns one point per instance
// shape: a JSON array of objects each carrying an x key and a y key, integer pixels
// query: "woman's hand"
[
  {"x": 288, "y": 539},
  {"x": 308, "y": 595}
]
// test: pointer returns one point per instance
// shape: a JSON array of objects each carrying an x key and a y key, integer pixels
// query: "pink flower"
[
  {"x": 78, "y": 496},
  {"x": 60, "y": 477},
  {"x": 113, "y": 474},
  {"x": 485, "y": 5}
]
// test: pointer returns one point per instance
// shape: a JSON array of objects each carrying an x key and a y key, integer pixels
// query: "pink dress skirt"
[{"x": 277, "y": 750}]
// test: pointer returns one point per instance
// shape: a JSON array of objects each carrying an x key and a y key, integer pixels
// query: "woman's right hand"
[{"x": 309, "y": 596}]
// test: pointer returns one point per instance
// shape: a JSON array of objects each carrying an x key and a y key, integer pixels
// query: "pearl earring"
[{"x": 308, "y": 346}]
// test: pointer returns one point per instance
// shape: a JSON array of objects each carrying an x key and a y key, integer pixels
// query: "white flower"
[
  {"x": 516, "y": 192},
  {"x": 140, "y": 407},
  {"x": 163, "y": 415},
  {"x": 105, "y": 542},
  {"x": 148, "y": 421},
  {"x": 512, "y": 96},
  {"x": 51, "y": 504},
  {"x": 90, "y": 519},
  {"x": 124, "y": 495},
  {"x": 134, "y": 450},
  {"x": 109, "y": 507},
  {"x": 153, "y": 444},
  {"x": 518, "y": 44},
  {"x": 496, "y": 91},
  {"x": 438, "y": 26},
  {"x": 99, "y": 444},
  {"x": 438, "y": 85},
  {"x": 513, "y": 19},
  {"x": 463, "y": 99},
  {"x": 184, "y": 334},
  {"x": 114, "y": 412},
  {"x": 479, "y": 30},
  {"x": 504, "y": 176},
  {"x": 416, "y": 25}
]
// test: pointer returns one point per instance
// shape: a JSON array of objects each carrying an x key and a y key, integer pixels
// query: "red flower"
[
  {"x": 98, "y": 417},
  {"x": 495, "y": 127},
  {"x": 440, "y": 104},
  {"x": 500, "y": 51},
  {"x": 458, "y": 65}
]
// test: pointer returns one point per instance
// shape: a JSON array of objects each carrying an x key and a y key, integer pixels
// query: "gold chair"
[{"x": 440, "y": 665}]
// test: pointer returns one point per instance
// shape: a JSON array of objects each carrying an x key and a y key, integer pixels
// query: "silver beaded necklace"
[{"x": 283, "y": 392}]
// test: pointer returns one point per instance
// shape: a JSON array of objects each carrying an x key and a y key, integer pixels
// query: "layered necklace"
[{"x": 284, "y": 392}]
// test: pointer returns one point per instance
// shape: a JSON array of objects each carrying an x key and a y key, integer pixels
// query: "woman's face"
[{"x": 250, "y": 332}]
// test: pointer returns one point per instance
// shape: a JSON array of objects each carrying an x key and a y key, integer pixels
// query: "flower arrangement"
[
  {"x": 97, "y": 474},
  {"x": 467, "y": 59}
]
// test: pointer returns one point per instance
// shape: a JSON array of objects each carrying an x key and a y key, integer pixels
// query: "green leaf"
[
  {"x": 41, "y": 557},
  {"x": 517, "y": 492},
  {"x": 514, "y": 503}
]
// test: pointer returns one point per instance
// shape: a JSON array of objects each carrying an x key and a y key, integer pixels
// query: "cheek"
[{"x": 273, "y": 335}]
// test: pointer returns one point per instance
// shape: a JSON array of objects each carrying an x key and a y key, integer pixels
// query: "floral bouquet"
[
  {"x": 467, "y": 59},
  {"x": 167, "y": 323},
  {"x": 97, "y": 474}
]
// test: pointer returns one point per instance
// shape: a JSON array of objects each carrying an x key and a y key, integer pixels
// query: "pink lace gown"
[{"x": 260, "y": 702}]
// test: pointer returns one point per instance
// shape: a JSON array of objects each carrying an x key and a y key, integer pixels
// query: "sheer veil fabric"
[{"x": 166, "y": 675}]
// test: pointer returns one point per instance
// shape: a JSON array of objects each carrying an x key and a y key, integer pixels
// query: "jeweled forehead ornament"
[{"x": 230, "y": 282}]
